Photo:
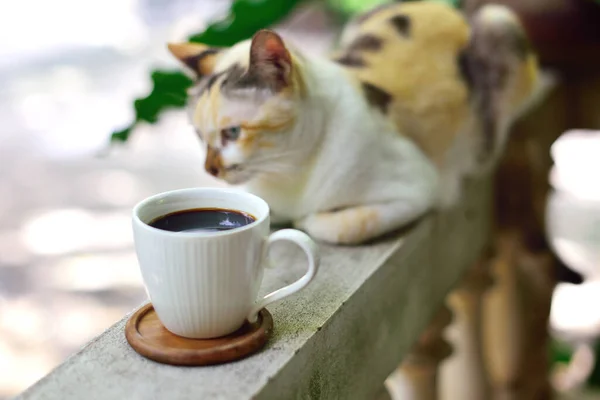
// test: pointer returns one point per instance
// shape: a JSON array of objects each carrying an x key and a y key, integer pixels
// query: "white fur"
[{"x": 348, "y": 156}]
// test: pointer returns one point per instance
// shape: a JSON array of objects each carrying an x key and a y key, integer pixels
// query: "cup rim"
[{"x": 137, "y": 220}]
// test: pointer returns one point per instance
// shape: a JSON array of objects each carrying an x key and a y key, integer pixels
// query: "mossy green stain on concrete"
[{"x": 314, "y": 385}]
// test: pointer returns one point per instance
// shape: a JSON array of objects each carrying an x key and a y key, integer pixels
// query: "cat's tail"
[{"x": 503, "y": 74}]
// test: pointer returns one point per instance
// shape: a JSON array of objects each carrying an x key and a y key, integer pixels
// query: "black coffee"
[{"x": 202, "y": 220}]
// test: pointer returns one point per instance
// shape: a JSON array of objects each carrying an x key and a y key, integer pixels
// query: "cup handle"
[{"x": 311, "y": 250}]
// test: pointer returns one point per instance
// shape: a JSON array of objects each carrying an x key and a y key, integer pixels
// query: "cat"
[{"x": 362, "y": 143}]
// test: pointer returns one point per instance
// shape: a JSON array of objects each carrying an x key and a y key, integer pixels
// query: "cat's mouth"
[{"x": 235, "y": 175}]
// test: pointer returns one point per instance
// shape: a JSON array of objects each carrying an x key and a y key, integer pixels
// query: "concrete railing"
[
  {"x": 338, "y": 339},
  {"x": 383, "y": 308}
]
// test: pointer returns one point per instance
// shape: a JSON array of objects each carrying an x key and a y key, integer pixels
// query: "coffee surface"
[{"x": 202, "y": 220}]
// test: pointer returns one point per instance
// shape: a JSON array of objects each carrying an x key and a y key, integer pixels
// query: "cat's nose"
[
  {"x": 214, "y": 171},
  {"x": 213, "y": 163}
]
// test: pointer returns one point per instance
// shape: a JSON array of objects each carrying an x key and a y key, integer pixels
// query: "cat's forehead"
[
  {"x": 237, "y": 55},
  {"x": 231, "y": 63},
  {"x": 231, "y": 95}
]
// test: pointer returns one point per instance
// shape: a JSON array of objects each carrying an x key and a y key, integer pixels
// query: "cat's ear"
[
  {"x": 199, "y": 58},
  {"x": 270, "y": 61}
]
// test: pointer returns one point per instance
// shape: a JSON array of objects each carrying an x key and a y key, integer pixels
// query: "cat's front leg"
[{"x": 360, "y": 224}]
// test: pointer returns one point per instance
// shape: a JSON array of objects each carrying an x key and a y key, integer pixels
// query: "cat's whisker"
[
  {"x": 272, "y": 163},
  {"x": 277, "y": 156},
  {"x": 270, "y": 169}
]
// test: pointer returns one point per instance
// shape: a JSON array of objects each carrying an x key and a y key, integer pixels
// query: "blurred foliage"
[
  {"x": 169, "y": 88},
  {"x": 245, "y": 17},
  {"x": 168, "y": 91},
  {"x": 348, "y": 8},
  {"x": 594, "y": 378},
  {"x": 560, "y": 351}
]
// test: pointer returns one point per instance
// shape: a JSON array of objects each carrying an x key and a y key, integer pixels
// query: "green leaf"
[
  {"x": 594, "y": 378},
  {"x": 346, "y": 9},
  {"x": 454, "y": 3},
  {"x": 244, "y": 19},
  {"x": 169, "y": 87},
  {"x": 122, "y": 135},
  {"x": 169, "y": 90},
  {"x": 560, "y": 351}
]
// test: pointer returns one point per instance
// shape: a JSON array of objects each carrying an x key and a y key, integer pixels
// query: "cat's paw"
[
  {"x": 318, "y": 227},
  {"x": 330, "y": 228}
]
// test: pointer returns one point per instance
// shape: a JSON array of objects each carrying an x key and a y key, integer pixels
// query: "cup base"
[{"x": 148, "y": 337}]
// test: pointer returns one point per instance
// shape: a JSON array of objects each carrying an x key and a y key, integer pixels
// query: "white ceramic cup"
[{"x": 205, "y": 284}]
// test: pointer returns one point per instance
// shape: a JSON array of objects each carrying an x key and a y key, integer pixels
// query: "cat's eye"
[{"x": 231, "y": 133}]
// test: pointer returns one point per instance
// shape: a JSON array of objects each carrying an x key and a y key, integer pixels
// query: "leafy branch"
[{"x": 169, "y": 88}]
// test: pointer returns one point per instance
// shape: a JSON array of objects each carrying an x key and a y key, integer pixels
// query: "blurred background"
[{"x": 70, "y": 72}]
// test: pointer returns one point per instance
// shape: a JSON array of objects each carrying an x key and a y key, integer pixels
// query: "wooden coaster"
[{"x": 147, "y": 335}]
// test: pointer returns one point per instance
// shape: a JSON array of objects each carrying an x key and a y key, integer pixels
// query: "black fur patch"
[
  {"x": 366, "y": 42},
  {"x": 377, "y": 97},
  {"x": 239, "y": 78},
  {"x": 489, "y": 125},
  {"x": 465, "y": 69},
  {"x": 489, "y": 81},
  {"x": 351, "y": 60},
  {"x": 487, "y": 65},
  {"x": 402, "y": 24},
  {"x": 209, "y": 81},
  {"x": 212, "y": 79},
  {"x": 522, "y": 46},
  {"x": 193, "y": 61},
  {"x": 235, "y": 73}
]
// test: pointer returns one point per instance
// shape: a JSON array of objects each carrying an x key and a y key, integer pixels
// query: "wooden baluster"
[
  {"x": 464, "y": 374},
  {"x": 516, "y": 321},
  {"x": 517, "y": 307},
  {"x": 417, "y": 377}
]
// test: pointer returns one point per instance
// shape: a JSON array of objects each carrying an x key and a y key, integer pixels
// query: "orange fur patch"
[
  {"x": 251, "y": 139},
  {"x": 419, "y": 72},
  {"x": 265, "y": 126},
  {"x": 207, "y": 65},
  {"x": 213, "y": 159},
  {"x": 353, "y": 224},
  {"x": 246, "y": 140},
  {"x": 358, "y": 224},
  {"x": 225, "y": 121}
]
